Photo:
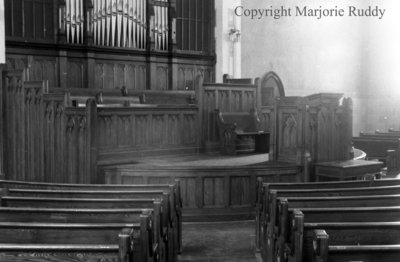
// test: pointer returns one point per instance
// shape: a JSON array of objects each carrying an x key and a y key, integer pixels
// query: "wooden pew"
[
  {"x": 58, "y": 241},
  {"x": 269, "y": 219},
  {"x": 346, "y": 233},
  {"x": 155, "y": 97},
  {"x": 376, "y": 146},
  {"x": 173, "y": 188},
  {"x": 264, "y": 200},
  {"x": 170, "y": 215},
  {"x": 143, "y": 217},
  {"x": 324, "y": 251},
  {"x": 227, "y": 79},
  {"x": 282, "y": 234},
  {"x": 104, "y": 101},
  {"x": 351, "y": 233},
  {"x": 164, "y": 232},
  {"x": 303, "y": 219}
]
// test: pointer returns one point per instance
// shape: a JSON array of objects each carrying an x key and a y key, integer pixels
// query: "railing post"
[{"x": 92, "y": 140}]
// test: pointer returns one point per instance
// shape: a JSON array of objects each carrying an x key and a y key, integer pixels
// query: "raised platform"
[{"x": 214, "y": 187}]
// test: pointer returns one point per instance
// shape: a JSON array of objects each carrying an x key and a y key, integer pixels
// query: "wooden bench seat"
[
  {"x": 376, "y": 146},
  {"x": 104, "y": 101},
  {"x": 266, "y": 202},
  {"x": 163, "y": 229},
  {"x": 58, "y": 253},
  {"x": 96, "y": 216},
  {"x": 281, "y": 232},
  {"x": 263, "y": 198},
  {"x": 324, "y": 250},
  {"x": 173, "y": 190},
  {"x": 86, "y": 198},
  {"x": 240, "y": 132},
  {"x": 75, "y": 215},
  {"x": 55, "y": 241},
  {"x": 346, "y": 233},
  {"x": 312, "y": 216},
  {"x": 270, "y": 218}
]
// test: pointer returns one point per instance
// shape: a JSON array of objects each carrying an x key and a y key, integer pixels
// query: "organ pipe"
[{"x": 116, "y": 23}]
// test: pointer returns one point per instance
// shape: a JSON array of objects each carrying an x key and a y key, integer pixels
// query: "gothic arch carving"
[{"x": 271, "y": 87}]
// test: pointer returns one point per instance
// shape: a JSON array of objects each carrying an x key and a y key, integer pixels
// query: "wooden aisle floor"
[{"x": 219, "y": 242}]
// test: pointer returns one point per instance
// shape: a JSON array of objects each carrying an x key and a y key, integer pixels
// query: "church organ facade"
[{"x": 107, "y": 44}]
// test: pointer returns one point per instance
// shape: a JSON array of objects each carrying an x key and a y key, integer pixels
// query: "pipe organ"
[
  {"x": 139, "y": 44},
  {"x": 74, "y": 21},
  {"x": 161, "y": 25},
  {"x": 117, "y": 23}
]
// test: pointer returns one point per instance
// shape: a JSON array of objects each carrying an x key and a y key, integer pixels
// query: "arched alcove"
[{"x": 271, "y": 87}]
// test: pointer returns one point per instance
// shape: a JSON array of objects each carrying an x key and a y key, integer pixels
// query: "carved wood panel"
[
  {"x": 188, "y": 189},
  {"x": 149, "y": 129},
  {"x": 188, "y": 72},
  {"x": 76, "y": 74},
  {"x": 240, "y": 191},
  {"x": 214, "y": 192},
  {"x": 163, "y": 73},
  {"x": 110, "y": 75}
]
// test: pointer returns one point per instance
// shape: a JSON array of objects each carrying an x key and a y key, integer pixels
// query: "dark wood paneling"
[
  {"x": 37, "y": 26},
  {"x": 72, "y": 70},
  {"x": 30, "y": 19},
  {"x": 206, "y": 190},
  {"x": 226, "y": 98},
  {"x": 134, "y": 130}
]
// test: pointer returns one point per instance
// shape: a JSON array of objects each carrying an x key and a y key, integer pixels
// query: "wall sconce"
[{"x": 234, "y": 35}]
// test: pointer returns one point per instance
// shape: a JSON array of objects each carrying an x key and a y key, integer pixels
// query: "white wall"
[
  {"x": 228, "y": 53},
  {"x": 357, "y": 56}
]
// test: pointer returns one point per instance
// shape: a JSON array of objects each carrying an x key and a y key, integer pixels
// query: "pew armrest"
[{"x": 320, "y": 245}]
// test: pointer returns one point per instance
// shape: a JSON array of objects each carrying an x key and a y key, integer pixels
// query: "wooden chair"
[{"x": 240, "y": 132}]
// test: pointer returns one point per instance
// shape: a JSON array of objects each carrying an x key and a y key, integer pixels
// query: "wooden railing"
[{"x": 46, "y": 139}]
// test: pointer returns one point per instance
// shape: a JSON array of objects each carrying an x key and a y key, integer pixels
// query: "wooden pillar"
[
  {"x": 92, "y": 140},
  {"x": 62, "y": 67}
]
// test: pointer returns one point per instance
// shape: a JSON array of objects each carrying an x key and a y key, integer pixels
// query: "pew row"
[
  {"x": 165, "y": 232},
  {"x": 145, "y": 217},
  {"x": 172, "y": 191},
  {"x": 25, "y": 241},
  {"x": 264, "y": 200},
  {"x": 324, "y": 251},
  {"x": 271, "y": 221},
  {"x": 283, "y": 232},
  {"x": 356, "y": 231}
]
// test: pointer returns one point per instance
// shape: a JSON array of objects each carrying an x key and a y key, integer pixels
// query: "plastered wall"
[{"x": 357, "y": 56}]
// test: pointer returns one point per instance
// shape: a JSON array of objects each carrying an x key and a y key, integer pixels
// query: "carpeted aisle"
[{"x": 218, "y": 242}]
